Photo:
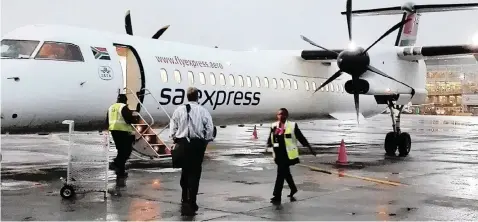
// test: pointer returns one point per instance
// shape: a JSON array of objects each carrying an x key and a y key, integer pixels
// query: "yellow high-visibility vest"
[
  {"x": 116, "y": 120},
  {"x": 290, "y": 143}
]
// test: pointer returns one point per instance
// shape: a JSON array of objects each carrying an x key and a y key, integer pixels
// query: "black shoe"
[
  {"x": 194, "y": 207},
  {"x": 187, "y": 210},
  {"x": 275, "y": 200},
  {"x": 292, "y": 192},
  {"x": 120, "y": 182}
]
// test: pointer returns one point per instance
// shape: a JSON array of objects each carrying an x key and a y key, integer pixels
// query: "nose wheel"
[{"x": 396, "y": 139}]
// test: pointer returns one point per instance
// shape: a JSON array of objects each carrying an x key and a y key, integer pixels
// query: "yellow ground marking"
[{"x": 353, "y": 176}]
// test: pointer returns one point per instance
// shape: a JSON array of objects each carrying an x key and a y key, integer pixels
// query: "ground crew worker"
[
  {"x": 191, "y": 129},
  {"x": 283, "y": 138},
  {"x": 120, "y": 118}
]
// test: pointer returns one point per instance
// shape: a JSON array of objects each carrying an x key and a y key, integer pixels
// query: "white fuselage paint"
[{"x": 50, "y": 91}]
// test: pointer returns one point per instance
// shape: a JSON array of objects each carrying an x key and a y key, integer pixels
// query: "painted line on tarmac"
[{"x": 352, "y": 176}]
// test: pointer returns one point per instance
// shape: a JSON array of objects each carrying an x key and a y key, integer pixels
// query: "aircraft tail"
[{"x": 407, "y": 34}]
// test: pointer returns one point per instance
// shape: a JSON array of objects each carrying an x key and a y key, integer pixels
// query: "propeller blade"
[
  {"x": 349, "y": 18},
  {"x": 335, "y": 76},
  {"x": 160, "y": 32},
  {"x": 127, "y": 23},
  {"x": 395, "y": 27},
  {"x": 375, "y": 70},
  {"x": 313, "y": 43},
  {"x": 356, "y": 100}
]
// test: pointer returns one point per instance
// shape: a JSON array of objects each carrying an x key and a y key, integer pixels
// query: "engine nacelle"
[{"x": 363, "y": 86}]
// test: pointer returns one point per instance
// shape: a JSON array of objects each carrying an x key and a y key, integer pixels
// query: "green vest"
[
  {"x": 116, "y": 120},
  {"x": 290, "y": 143}
]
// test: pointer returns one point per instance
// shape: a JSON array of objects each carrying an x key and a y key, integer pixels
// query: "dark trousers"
[
  {"x": 283, "y": 173},
  {"x": 124, "y": 146},
  {"x": 191, "y": 170}
]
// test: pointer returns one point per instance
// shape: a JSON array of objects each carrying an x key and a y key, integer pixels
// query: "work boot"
[{"x": 120, "y": 181}]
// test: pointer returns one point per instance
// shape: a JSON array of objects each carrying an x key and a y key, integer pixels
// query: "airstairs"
[{"x": 148, "y": 145}]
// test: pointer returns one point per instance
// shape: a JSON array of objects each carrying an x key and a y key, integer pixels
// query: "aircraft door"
[{"x": 133, "y": 75}]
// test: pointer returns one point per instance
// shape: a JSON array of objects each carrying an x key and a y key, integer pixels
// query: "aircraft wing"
[
  {"x": 410, "y": 53},
  {"x": 413, "y": 53}
]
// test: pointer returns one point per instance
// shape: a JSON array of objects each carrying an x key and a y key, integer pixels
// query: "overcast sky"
[{"x": 242, "y": 24}]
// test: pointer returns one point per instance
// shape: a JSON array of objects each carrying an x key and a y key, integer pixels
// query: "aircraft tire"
[
  {"x": 404, "y": 142},
  {"x": 390, "y": 144},
  {"x": 67, "y": 192},
  {"x": 214, "y": 133}
]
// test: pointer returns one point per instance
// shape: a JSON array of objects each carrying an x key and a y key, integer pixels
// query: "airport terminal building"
[{"x": 452, "y": 87}]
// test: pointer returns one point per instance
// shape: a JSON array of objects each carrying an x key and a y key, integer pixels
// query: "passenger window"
[
  {"x": 60, "y": 51},
  {"x": 222, "y": 79},
  {"x": 18, "y": 49},
  {"x": 164, "y": 75},
  {"x": 326, "y": 88},
  {"x": 323, "y": 88},
  {"x": 343, "y": 88},
  {"x": 266, "y": 82},
  {"x": 100, "y": 53},
  {"x": 307, "y": 85},
  {"x": 231, "y": 79},
  {"x": 289, "y": 85},
  {"x": 258, "y": 82},
  {"x": 249, "y": 81},
  {"x": 281, "y": 83},
  {"x": 177, "y": 76},
  {"x": 202, "y": 78},
  {"x": 274, "y": 83},
  {"x": 331, "y": 87},
  {"x": 213, "y": 79},
  {"x": 191, "y": 78},
  {"x": 295, "y": 85},
  {"x": 314, "y": 86},
  {"x": 241, "y": 81}
]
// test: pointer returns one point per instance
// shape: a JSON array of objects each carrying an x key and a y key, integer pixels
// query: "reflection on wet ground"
[{"x": 437, "y": 181}]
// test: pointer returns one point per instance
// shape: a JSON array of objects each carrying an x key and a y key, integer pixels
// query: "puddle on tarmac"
[
  {"x": 244, "y": 162},
  {"x": 163, "y": 170},
  {"x": 18, "y": 185}
]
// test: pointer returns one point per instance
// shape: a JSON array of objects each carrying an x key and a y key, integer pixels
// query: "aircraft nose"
[{"x": 17, "y": 96}]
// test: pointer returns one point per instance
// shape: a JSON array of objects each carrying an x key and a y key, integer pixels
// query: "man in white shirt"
[{"x": 191, "y": 136}]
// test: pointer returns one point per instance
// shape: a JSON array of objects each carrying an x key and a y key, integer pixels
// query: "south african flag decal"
[{"x": 100, "y": 53}]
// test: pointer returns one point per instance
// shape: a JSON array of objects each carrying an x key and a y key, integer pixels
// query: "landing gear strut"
[{"x": 397, "y": 138}]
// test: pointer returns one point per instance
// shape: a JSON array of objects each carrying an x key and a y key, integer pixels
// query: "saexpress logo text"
[{"x": 213, "y": 98}]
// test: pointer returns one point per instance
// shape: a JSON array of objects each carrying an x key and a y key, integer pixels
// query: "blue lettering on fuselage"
[{"x": 213, "y": 98}]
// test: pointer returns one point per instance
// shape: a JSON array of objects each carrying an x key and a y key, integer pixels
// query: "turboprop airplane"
[{"x": 76, "y": 73}]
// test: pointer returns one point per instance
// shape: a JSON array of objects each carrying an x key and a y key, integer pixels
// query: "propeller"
[
  {"x": 129, "y": 27},
  {"x": 355, "y": 61}
]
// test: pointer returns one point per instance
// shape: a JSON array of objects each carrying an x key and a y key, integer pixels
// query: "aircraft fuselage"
[{"x": 41, "y": 93}]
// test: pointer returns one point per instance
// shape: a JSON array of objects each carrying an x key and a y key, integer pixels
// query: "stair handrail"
[
  {"x": 149, "y": 92},
  {"x": 164, "y": 110},
  {"x": 142, "y": 105}
]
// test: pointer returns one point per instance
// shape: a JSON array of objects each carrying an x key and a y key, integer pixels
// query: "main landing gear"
[{"x": 397, "y": 139}]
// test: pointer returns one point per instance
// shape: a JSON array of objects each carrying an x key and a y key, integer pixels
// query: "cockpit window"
[
  {"x": 18, "y": 49},
  {"x": 60, "y": 51}
]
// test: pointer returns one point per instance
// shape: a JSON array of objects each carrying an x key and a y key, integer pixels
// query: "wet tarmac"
[{"x": 437, "y": 181}]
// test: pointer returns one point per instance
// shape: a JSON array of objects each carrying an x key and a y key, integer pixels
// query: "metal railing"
[{"x": 147, "y": 92}]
